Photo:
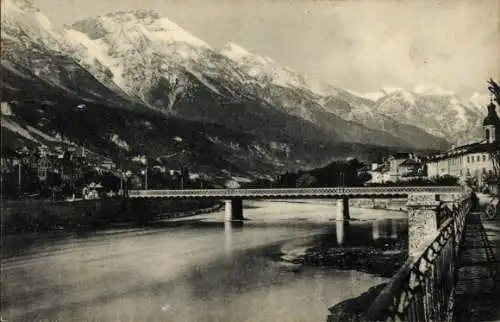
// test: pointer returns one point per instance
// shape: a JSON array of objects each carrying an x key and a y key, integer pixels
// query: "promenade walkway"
[{"x": 478, "y": 277}]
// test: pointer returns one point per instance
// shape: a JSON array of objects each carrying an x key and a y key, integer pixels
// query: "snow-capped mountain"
[
  {"x": 317, "y": 100},
  {"x": 167, "y": 69},
  {"x": 34, "y": 52},
  {"x": 154, "y": 60},
  {"x": 266, "y": 71},
  {"x": 439, "y": 113},
  {"x": 142, "y": 61}
]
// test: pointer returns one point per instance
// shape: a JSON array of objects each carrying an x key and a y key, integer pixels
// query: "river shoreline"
[
  {"x": 382, "y": 259},
  {"x": 27, "y": 216}
]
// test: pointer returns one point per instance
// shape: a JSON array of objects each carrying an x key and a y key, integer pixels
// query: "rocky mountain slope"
[
  {"x": 442, "y": 115},
  {"x": 244, "y": 110}
]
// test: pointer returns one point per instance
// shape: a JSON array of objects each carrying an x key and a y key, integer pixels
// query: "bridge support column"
[
  {"x": 234, "y": 209},
  {"x": 343, "y": 209},
  {"x": 422, "y": 220}
]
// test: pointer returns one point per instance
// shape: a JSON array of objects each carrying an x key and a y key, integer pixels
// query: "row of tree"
[{"x": 337, "y": 173}]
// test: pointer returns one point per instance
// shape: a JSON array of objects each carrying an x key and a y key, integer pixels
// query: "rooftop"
[{"x": 478, "y": 147}]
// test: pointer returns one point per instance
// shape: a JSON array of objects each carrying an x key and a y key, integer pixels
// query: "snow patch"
[
  {"x": 231, "y": 184},
  {"x": 43, "y": 21},
  {"x": 241, "y": 179},
  {"x": 7, "y": 65},
  {"x": 373, "y": 96},
  {"x": 119, "y": 142},
  {"x": 43, "y": 135},
  {"x": 235, "y": 52},
  {"x": 202, "y": 80},
  {"x": 178, "y": 139},
  {"x": 213, "y": 139},
  {"x": 97, "y": 50},
  {"x": 16, "y": 128},
  {"x": 6, "y": 110},
  {"x": 173, "y": 32},
  {"x": 391, "y": 89}
]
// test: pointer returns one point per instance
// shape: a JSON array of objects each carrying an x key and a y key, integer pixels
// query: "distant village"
[{"x": 69, "y": 173}]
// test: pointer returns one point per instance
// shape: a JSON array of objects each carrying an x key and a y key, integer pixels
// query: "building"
[
  {"x": 472, "y": 162},
  {"x": 43, "y": 164},
  {"x": 397, "y": 167}
]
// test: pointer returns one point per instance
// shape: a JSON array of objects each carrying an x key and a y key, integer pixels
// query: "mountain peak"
[{"x": 150, "y": 23}]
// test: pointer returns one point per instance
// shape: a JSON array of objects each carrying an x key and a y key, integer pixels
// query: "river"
[{"x": 192, "y": 269}]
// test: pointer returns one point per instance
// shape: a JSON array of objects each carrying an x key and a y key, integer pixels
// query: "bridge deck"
[
  {"x": 340, "y": 192},
  {"x": 477, "y": 288}
]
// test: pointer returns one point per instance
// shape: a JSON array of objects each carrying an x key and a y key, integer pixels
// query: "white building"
[
  {"x": 471, "y": 161},
  {"x": 397, "y": 167}
]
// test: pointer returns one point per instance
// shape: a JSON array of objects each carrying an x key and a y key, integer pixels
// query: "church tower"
[{"x": 491, "y": 125}]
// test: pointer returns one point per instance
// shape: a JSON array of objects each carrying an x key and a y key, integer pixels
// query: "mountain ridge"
[{"x": 139, "y": 61}]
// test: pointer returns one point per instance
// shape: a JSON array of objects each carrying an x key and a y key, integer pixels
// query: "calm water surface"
[{"x": 194, "y": 269}]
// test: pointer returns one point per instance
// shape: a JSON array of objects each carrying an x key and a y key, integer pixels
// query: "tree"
[
  {"x": 494, "y": 88},
  {"x": 110, "y": 182},
  {"x": 54, "y": 183},
  {"x": 305, "y": 181},
  {"x": 184, "y": 178}
]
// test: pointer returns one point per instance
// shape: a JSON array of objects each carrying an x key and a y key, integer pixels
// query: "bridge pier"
[
  {"x": 343, "y": 209},
  {"x": 422, "y": 220},
  {"x": 234, "y": 209}
]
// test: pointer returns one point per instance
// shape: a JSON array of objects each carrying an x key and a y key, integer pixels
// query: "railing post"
[{"x": 422, "y": 220}]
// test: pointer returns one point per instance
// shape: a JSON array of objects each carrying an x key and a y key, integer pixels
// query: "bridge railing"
[
  {"x": 423, "y": 289},
  {"x": 293, "y": 191}
]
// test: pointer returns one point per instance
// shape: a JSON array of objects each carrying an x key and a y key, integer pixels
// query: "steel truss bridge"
[{"x": 296, "y": 193}]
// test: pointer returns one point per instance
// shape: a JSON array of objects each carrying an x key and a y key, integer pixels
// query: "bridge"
[
  {"x": 443, "y": 232},
  {"x": 234, "y": 197},
  {"x": 292, "y": 193}
]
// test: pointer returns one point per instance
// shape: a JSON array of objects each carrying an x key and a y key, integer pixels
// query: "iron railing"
[
  {"x": 423, "y": 289},
  {"x": 291, "y": 192}
]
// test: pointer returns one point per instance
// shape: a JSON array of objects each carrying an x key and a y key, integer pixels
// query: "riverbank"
[
  {"x": 24, "y": 216},
  {"x": 377, "y": 261},
  {"x": 382, "y": 260},
  {"x": 379, "y": 256}
]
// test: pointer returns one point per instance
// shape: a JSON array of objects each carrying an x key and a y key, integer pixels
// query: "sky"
[{"x": 362, "y": 45}]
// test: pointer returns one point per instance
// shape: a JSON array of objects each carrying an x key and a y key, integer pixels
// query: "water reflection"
[
  {"x": 376, "y": 230},
  {"x": 228, "y": 238},
  {"x": 394, "y": 229},
  {"x": 341, "y": 230},
  {"x": 229, "y": 229},
  {"x": 387, "y": 229}
]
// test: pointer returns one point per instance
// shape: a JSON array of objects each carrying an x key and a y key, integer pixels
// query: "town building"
[
  {"x": 472, "y": 162},
  {"x": 397, "y": 167}
]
